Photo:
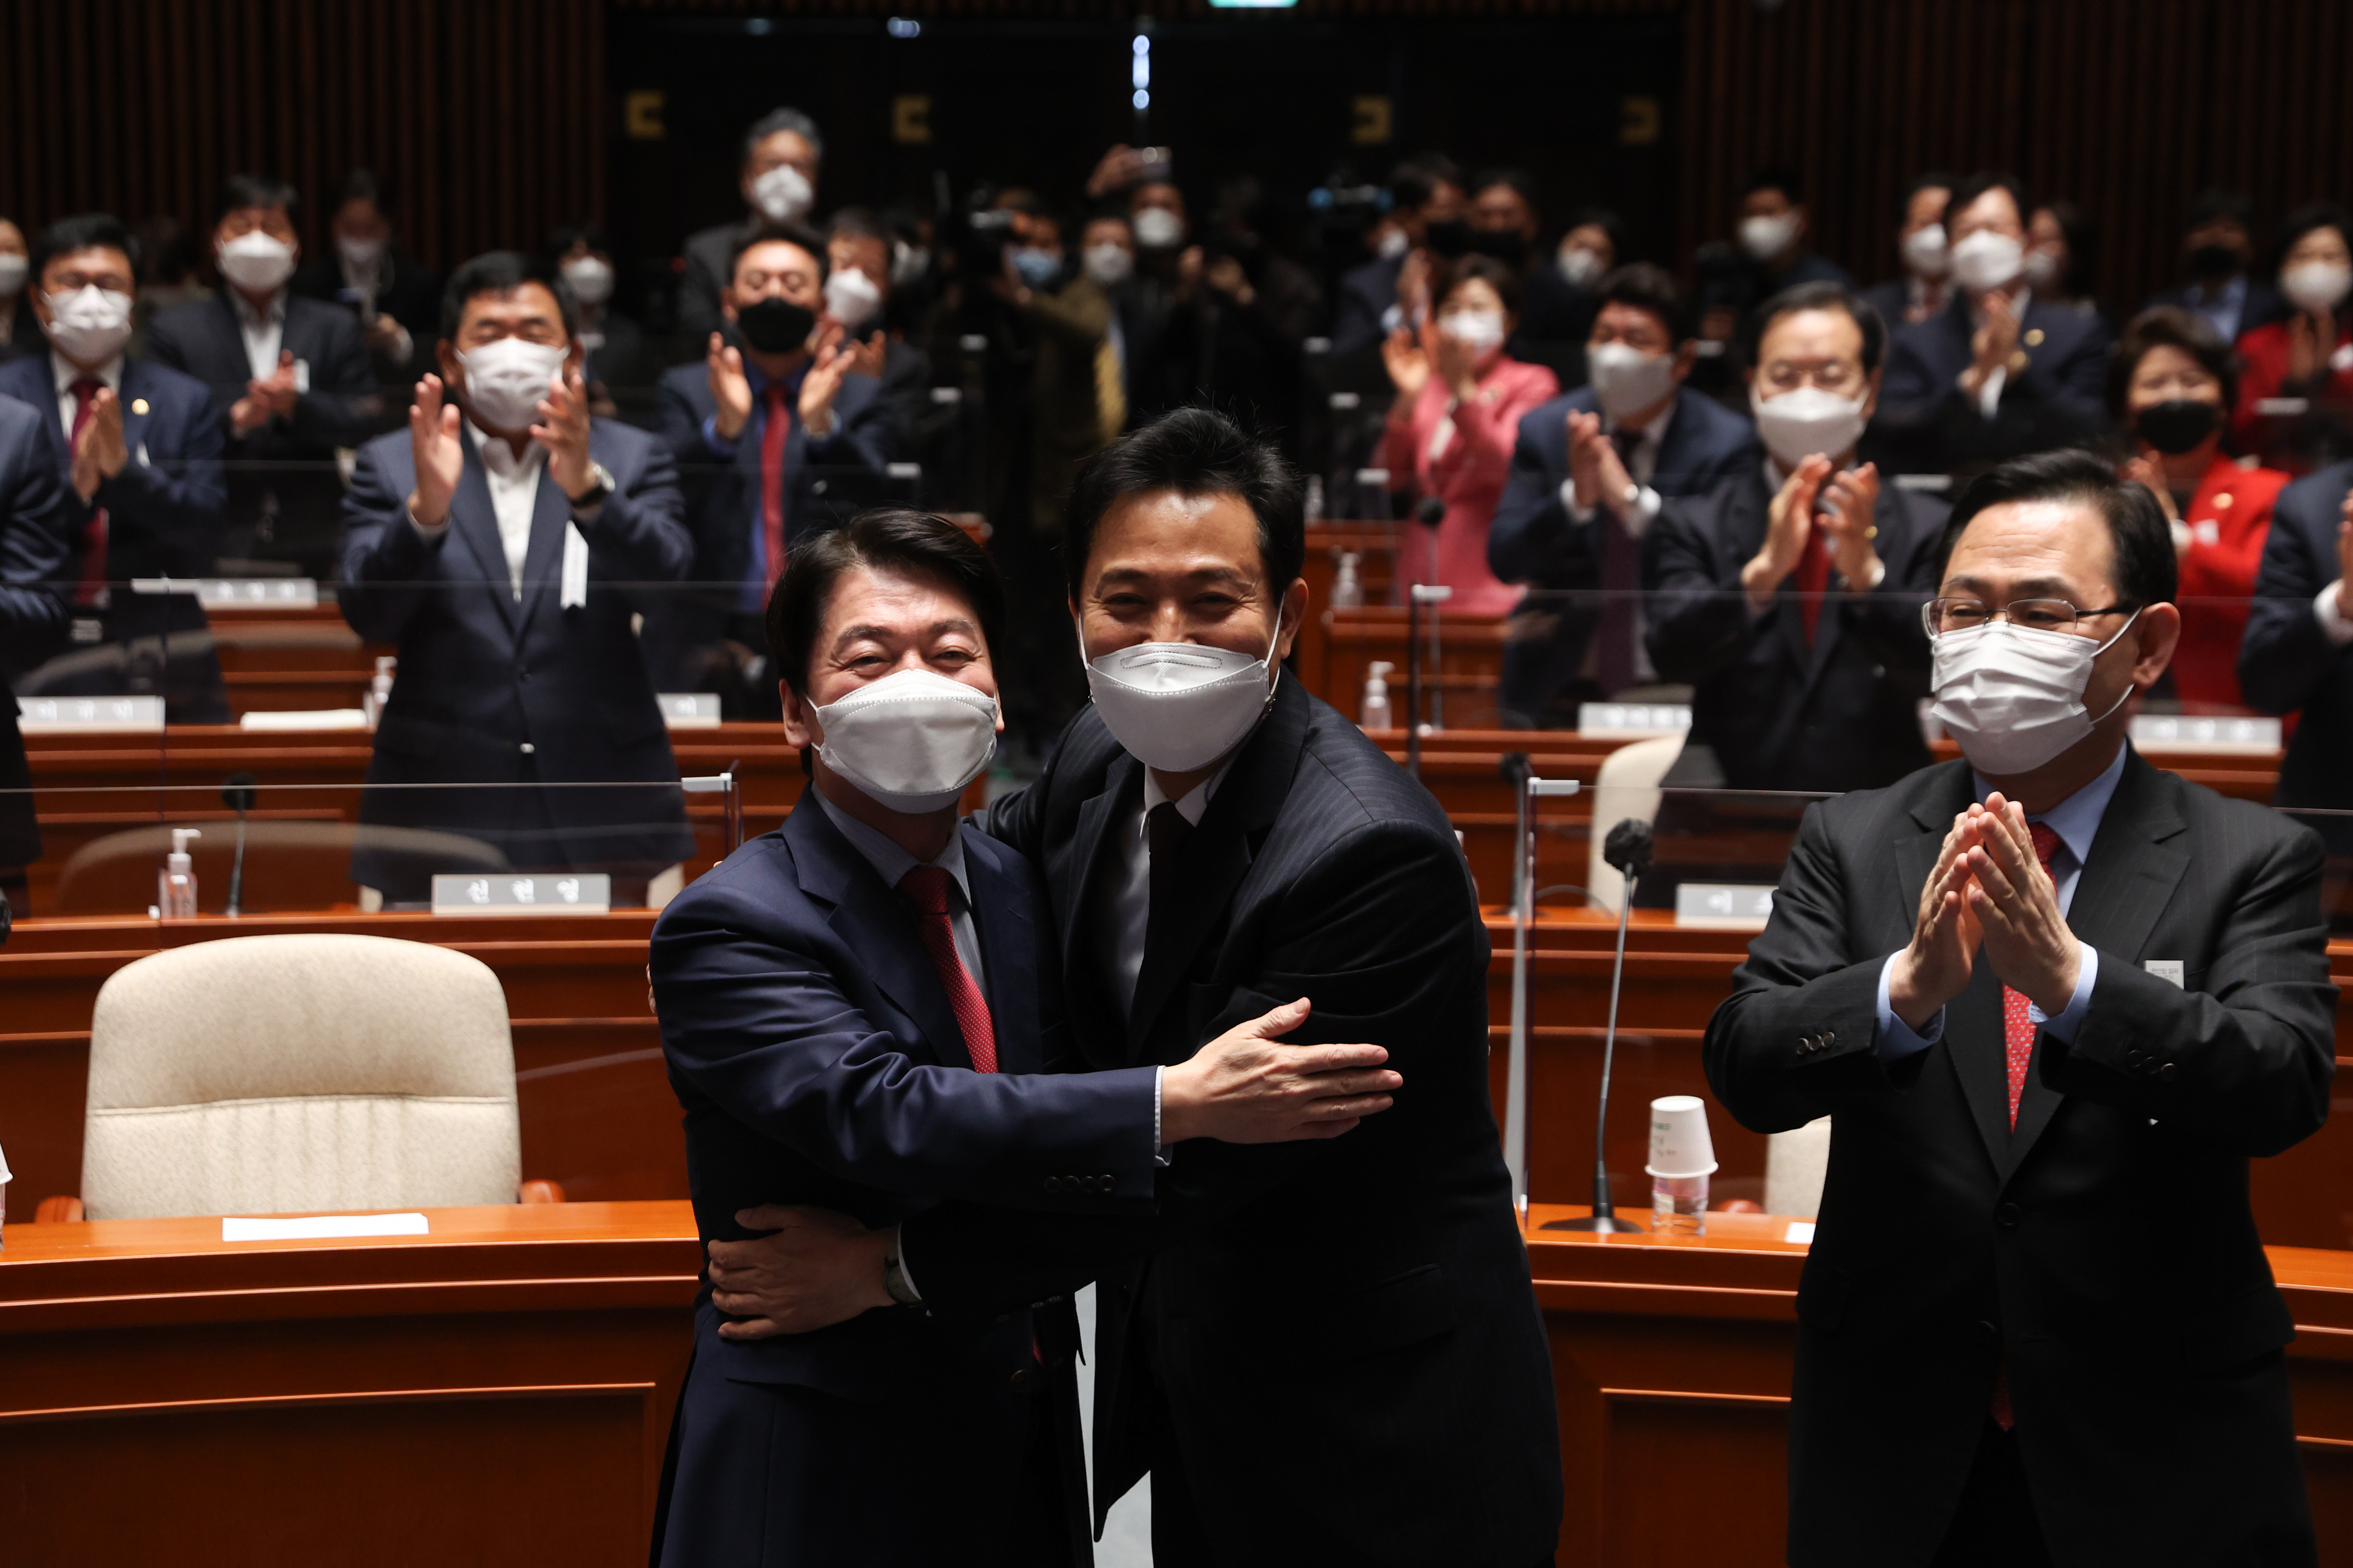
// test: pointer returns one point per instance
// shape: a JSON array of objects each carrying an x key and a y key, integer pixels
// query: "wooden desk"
[
  {"x": 273, "y": 660},
  {"x": 1375, "y": 546},
  {"x": 1469, "y": 673},
  {"x": 499, "y": 1391},
  {"x": 1671, "y": 1358},
  {"x": 595, "y": 1104}
]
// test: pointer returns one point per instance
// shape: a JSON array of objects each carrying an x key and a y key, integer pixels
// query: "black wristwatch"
[{"x": 600, "y": 486}]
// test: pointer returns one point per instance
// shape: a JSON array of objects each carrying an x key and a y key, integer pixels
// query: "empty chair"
[
  {"x": 1627, "y": 785},
  {"x": 1794, "y": 1163},
  {"x": 290, "y": 1074}
]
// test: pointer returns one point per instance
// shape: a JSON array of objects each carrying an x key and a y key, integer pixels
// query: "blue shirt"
[
  {"x": 2076, "y": 821},
  {"x": 2221, "y": 306}
]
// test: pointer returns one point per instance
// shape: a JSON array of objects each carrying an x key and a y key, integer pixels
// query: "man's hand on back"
[
  {"x": 818, "y": 1269},
  {"x": 1248, "y": 1087}
]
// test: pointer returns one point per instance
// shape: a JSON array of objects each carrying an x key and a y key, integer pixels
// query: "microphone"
[
  {"x": 238, "y": 794},
  {"x": 1431, "y": 510},
  {"x": 1628, "y": 848}
]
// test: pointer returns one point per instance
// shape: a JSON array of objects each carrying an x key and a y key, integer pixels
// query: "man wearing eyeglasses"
[{"x": 2055, "y": 1000}]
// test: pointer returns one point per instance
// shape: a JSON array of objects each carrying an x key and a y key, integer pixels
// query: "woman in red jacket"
[
  {"x": 2307, "y": 359},
  {"x": 1450, "y": 433},
  {"x": 2169, "y": 383}
]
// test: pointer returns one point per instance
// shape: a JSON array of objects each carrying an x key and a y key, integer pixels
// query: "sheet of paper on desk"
[
  {"x": 317, "y": 1227},
  {"x": 1800, "y": 1230}
]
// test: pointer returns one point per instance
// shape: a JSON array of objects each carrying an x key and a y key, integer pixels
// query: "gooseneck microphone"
[
  {"x": 1628, "y": 850},
  {"x": 238, "y": 794}
]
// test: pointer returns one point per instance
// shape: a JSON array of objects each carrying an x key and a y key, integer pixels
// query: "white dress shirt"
[
  {"x": 264, "y": 332},
  {"x": 110, "y": 373},
  {"x": 2333, "y": 623},
  {"x": 515, "y": 494},
  {"x": 2076, "y": 821},
  {"x": 1989, "y": 394},
  {"x": 1119, "y": 938},
  {"x": 892, "y": 863}
]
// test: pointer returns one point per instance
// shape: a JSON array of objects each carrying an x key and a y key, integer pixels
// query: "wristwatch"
[
  {"x": 600, "y": 486},
  {"x": 894, "y": 1277}
]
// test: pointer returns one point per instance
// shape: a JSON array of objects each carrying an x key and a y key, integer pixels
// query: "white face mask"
[
  {"x": 912, "y": 740},
  {"x": 1807, "y": 421},
  {"x": 1393, "y": 245},
  {"x": 359, "y": 254},
  {"x": 2041, "y": 268},
  {"x": 851, "y": 296},
  {"x": 256, "y": 261},
  {"x": 89, "y": 325},
  {"x": 1157, "y": 228},
  {"x": 507, "y": 380},
  {"x": 1109, "y": 265},
  {"x": 1924, "y": 252},
  {"x": 591, "y": 279},
  {"x": 13, "y": 271},
  {"x": 1766, "y": 237},
  {"x": 1987, "y": 260},
  {"x": 783, "y": 195},
  {"x": 2012, "y": 696},
  {"x": 1177, "y": 706},
  {"x": 1625, "y": 381},
  {"x": 2315, "y": 286},
  {"x": 1480, "y": 330},
  {"x": 1580, "y": 267}
]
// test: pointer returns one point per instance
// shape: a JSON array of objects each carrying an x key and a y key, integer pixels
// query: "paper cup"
[{"x": 1679, "y": 1141}]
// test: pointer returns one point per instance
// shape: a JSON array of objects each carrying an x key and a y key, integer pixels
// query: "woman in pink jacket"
[{"x": 1451, "y": 430}]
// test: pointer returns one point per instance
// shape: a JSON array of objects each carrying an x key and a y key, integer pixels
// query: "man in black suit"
[
  {"x": 2218, "y": 247},
  {"x": 830, "y": 1048},
  {"x": 1590, "y": 472},
  {"x": 781, "y": 154},
  {"x": 396, "y": 302},
  {"x": 1790, "y": 595},
  {"x": 777, "y": 439},
  {"x": 1377, "y": 298},
  {"x": 858, "y": 296},
  {"x": 290, "y": 375},
  {"x": 1925, "y": 285},
  {"x": 1214, "y": 841},
  {"x": 2000, "y": 373},
  {"x": 139, "y": 448},
  {"x": 2297, "y": 653},
  {"x": 35, "y": 547},
  {"x": 2053, "y": 999},
  {"x": 498, "y": 550}
]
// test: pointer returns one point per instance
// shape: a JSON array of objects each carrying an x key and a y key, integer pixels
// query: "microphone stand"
[
  {"x": 1530, "y": 790},
  {"x": 238, "y": 794},
  {"x": 1628, "y": 848}
]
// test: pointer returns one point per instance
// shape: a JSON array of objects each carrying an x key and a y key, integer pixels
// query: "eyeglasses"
[{"x": 1942, "y": 616}]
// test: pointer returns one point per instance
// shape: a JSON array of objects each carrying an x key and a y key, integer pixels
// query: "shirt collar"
[
  {"x": 889, "y": 860},
  {"x": 500, "y": 458},
  {"x": 1196, "y": 799},
  {"x": 253, "y": 318},
  {"x": 1656, "y": 432},
  {"x": 67, "y": 373},
  {"x": 2077, "y": 819}
]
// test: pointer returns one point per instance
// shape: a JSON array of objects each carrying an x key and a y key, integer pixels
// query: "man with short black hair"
[
  {"x": 139, "y": 448},
  {"x": 781, "y": 151},
  {"x": 502, "y": 542},
  {"x": 1590, "y": 471},
  {"x": 2056, "y": 999},
  {"x": 2218, "y": 247},
  {"x": 1766, "y": 254},
  {"x": 292, "y": 376},
  {"x": 1377, "y": 297},
  {"x": 1924, "y": 283},
  {"x": 396, "y": 300}
]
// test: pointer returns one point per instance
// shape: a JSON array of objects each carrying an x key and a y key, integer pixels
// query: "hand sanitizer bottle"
[
  {"x": 1347, "y": 586},
  {"x": 176, "y": 885},
  {"x": 379, "y": 692},
  {"x": 1376, "y": 714}
]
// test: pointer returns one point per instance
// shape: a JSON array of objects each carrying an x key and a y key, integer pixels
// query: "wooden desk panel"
[
  {"x": 1469, "y": 672},
  {"x": 1672, "y": 1358},
  {"x": 498, "y": 1391}
]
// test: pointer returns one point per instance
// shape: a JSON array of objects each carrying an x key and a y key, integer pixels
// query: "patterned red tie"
[
  {"x": 91, "y": 587},
  {"x": 927, "y": 888},
  {"x": 772, "y": 432},
  {"x": 1812, "y": 578},
  {"x": 2017, "y": 1029}
]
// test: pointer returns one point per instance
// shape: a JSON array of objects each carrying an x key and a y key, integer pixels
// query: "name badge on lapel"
[
  {"x": 574, "y": 594},
  {"x": 2165, "y": 969},
  {"x": 302, "y": 376}
]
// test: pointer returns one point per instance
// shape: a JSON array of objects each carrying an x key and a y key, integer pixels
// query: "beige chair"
[
  {"x": 299, "y": 1074},
  {"x": 1627, "y": 785},
  {"x": 1795, "y": 1164}
]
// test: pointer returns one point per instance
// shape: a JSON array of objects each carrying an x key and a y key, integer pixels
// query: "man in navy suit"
[
  {"x": 292, "y": 376},
  {"x": 1424, "y": 191},
  {"x": 778, "y": 438},
  {"x": 139, "y": 448},
  {"x": 2000, "y": 373},
  {"x": 34, "y": 552},
  {"x": 498, "y": 552},
  {"x": 1590, "y": 472},
  {"x": 855, "y": 1010},
  {"x": 2219, "y": 245},
  {"x": 2297, "y": 653}
]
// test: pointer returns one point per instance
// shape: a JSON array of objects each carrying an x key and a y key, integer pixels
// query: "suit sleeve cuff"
[
  {"x": 1894, "y": 1039},
  {"x": 1159, "y": 1145},
  {"x": 1569, "y": 503},
  {"x": 2070, "y": 1017},
  {"x": 427, "y": 534},
  {"x": 712, "y": 440},
  {"x": 906, "y": 1275},
  {"x": 2333, "y": 623}
]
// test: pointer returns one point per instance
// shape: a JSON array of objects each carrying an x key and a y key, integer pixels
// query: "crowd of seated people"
[{"x": 1706, "y": 485}]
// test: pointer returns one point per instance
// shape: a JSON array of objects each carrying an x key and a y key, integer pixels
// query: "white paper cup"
[{"x": 1679, "y": 1141}]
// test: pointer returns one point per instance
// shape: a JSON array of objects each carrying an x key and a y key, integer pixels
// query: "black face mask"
[
  {"x": 2176, "y": 424},
  {"x": 775, "y": 326},
  {"x": 1508, "y": 246},
  {"x": 2215, "y": 262},
  {"x": 1450, "y": 239}
]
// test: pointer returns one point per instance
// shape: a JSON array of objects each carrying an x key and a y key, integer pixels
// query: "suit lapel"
[
  {"x": 542, "y": 562},
  {"x": 134, "y": 397},
  {"x": 876, "y": 924},
  {"x": 1008, "y": 950},
  {"x": 1123, "y": 782},
  {"x": 476, "y": 523},
  {"x": 1973, "y": 1036},
  {"x": 2133, "y": 869},
  {"x": 36, "y": 384}
]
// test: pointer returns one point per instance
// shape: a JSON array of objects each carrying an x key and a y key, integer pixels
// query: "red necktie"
[
  {"x": 1812, "y": 578},
  {"x": 772, "y": 480},
  {"x": 91, "y": 588},
  {"x": 2018, "y": 1041},
  {"x": 927, "y": 888}
]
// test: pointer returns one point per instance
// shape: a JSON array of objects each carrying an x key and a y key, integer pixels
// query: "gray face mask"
[{"x": 1627, "y": 380}]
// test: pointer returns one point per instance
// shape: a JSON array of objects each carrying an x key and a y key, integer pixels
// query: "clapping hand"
[
  {"x": 2026, "y": 937},
  {"x": 274, "y": 397},
  {"x": 1935, "y": 966},
  {"x": 440, "y": 457},
  {"x": 563, "y": 429},
  {"x": 1788, "y": 523},
  {"x": 1994, "y": 342},
  {"x": 1596, "y": 474},
  {"x": 99, "y": 452},
  {"x": 832, "y": 360},
  {"x": 1846, "y": 506},
  {"x": 1407, "y": 365},
  {"x": 730, "y": 389}
]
